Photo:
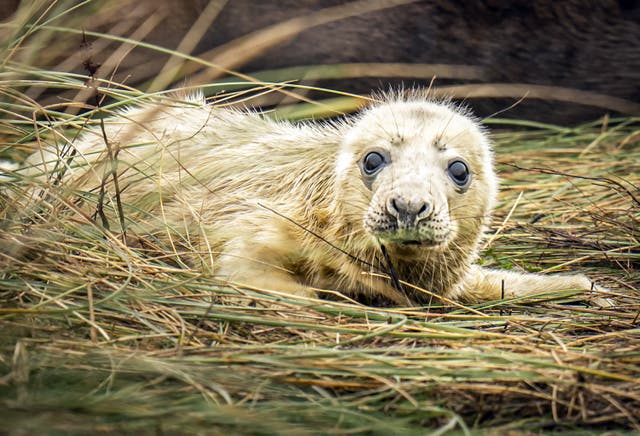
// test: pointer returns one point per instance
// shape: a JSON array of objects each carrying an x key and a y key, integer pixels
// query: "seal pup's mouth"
[
  {"x": 418, "y": 243},
  {"x": 413, "y": 239},
  {"x": 412, "y": 242}
]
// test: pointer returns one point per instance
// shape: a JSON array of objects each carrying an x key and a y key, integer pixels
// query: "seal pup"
[{"x": 400, "y": 193}]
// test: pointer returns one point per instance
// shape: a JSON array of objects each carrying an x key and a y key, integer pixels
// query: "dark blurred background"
[{"x": 489, "y": 53}]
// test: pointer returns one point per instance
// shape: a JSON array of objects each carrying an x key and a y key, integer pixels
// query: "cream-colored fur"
[{"x": 277, "y": 205}]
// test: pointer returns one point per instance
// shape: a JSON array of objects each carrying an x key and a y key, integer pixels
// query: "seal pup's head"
[{"x": 420, "y": 176}]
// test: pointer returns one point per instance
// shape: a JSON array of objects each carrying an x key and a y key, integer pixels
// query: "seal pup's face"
[{"x": 425, "y": 176}]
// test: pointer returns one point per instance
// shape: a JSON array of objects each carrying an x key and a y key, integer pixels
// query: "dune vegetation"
[{"x": 101, "y": 335}]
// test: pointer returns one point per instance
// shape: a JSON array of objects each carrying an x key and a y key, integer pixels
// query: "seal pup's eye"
[
  {"x": 372, "y": 162},
  {"x": 459, "y": 173}
]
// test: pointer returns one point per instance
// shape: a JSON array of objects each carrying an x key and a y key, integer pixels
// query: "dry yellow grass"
[{"x": 98, "y": 335}]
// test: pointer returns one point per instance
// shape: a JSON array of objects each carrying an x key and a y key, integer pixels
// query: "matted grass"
[{"x": 100, "y": 336}]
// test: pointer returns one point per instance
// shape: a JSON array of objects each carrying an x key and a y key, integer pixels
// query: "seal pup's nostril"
[
  {"x": 424, "y": 211},
  {"x": 397, "y": 207},
  {"x": 393, "y": 208}
]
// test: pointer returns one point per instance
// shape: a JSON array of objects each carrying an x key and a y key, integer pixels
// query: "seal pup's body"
[{"x": 295, "y": 207}]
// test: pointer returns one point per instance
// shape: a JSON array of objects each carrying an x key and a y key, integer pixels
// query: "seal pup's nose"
[{"x": 408, "y": 211}]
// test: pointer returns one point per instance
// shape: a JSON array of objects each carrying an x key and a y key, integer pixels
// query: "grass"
[{"x": 100, "y": 336}]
